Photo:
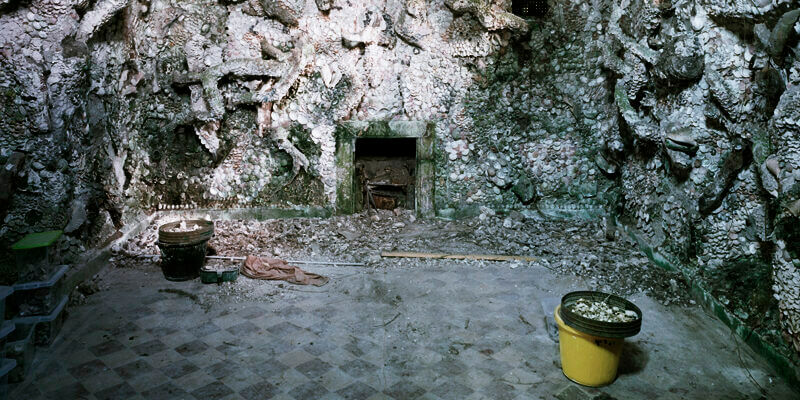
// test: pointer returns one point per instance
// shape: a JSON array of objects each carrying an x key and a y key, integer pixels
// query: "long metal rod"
[
  {"x": 353, "y": 264},
  {"x": 289, "y": 261},
  {"x": 234, "y": 258},
  {"x": 488, "y": 257}
]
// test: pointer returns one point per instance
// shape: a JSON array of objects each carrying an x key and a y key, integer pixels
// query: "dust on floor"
[
  {"x": 577, "y": 248},
  {"x": 391, "y": 329}
]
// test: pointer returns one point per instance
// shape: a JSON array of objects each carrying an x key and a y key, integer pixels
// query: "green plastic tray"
[
  {"x": 36, "y": 240},
  {"x": 229, "y": 275}
]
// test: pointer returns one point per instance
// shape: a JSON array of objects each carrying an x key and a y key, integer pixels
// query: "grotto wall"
[
  {"x": 678, "y": 117},
  {"x": 258, "y": 94},
  {"x": 137, "y": 106},
  {"x": 53, "y": 152},
  {"x": 708, "y": 128}
]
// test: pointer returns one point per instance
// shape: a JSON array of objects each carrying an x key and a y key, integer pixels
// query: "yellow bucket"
[{"x": 586, "y": 359}]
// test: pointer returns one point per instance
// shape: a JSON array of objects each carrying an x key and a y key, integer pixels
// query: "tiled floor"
[{"x": 439, "y": 330}]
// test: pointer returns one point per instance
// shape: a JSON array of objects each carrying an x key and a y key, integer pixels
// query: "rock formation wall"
[
  {"x": 146, "y": 105},
  {"x": 706, "y": 94},
  {"x": 681, "y": 117},
  {"x": 52, "y": 153}
]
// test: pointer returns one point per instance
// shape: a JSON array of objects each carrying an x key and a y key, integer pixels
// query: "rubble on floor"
[
  {"x": 575, "y": 247},
  {"x": 432, "y": 329}
]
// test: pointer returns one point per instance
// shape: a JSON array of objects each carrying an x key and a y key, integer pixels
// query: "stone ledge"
[{"x": 98, "y": 258}]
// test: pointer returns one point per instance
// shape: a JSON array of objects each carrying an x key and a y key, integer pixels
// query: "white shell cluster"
[
  {"x": 746, "y": 9},
  {"x": 602, "y": 311},
  {"x": 469, "y": 39},
  {"x": 429, "y": 85},
  {"x": 725, "y": 239},
  {"x": 787, "y": 291},
  {"x": 323, "y": 135}
]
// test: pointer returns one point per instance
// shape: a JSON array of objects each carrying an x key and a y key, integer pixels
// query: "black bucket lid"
[{"x": 600, "y": 328}]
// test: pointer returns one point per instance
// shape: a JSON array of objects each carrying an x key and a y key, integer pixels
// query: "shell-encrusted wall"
[
  {"x": 710, "y": 136},
  {"x": 680, "y": 117},
  {"x": 132, "y": 105}
]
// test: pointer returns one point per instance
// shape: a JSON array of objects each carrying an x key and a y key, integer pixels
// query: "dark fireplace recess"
[
  {"x": 385, "y": 172},
  {"x": 405, "y": 147}
]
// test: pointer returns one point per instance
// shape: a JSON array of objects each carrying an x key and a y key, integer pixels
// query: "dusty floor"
[{"x": 394, "y": 328}]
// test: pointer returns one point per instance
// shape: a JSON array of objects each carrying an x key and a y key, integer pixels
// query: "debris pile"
[
  {"x": 599, "y": 310},
  {"x": 576, "y": 248},
  {"x": 183, "y": 227}
]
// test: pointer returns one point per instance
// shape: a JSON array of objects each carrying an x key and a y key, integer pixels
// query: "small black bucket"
[{"x": 184, "y": 253}]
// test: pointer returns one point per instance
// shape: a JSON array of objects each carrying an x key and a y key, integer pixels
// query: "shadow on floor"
[{"x": 633, "y": 359}]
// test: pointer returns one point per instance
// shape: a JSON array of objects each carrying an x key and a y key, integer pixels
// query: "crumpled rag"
[{"x": 276, "y": 269}]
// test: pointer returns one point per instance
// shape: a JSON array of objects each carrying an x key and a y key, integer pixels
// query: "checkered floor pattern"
[
  {"x": 365, "y": 337},
  {"x": 445, "y": 330}
]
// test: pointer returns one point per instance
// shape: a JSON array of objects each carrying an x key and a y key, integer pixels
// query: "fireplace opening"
[{"x": 385, "y": 171}]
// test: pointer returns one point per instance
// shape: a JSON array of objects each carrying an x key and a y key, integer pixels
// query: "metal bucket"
[{"x": 183, "y": 253}]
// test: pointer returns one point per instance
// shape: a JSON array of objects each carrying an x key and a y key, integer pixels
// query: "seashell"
[
  {"x": 606, "y": 166},
  {"x": 794, "y": 208},
  {"x": 773, "y": 167},
  {"x": 769, "y": 180},
  {"x": 681, "y": 141},
  {"x": 327, "y": 75}
]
